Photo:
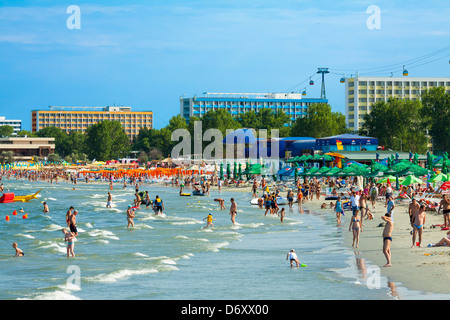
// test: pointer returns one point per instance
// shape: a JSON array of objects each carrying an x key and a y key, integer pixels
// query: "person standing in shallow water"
[{"x": 233, "y": 210}]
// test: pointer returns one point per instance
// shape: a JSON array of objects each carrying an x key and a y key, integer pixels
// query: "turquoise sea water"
[{"x": 172, "y": 257}]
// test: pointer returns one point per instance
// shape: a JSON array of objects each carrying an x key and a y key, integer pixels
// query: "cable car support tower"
[{"x": 322, "y": 92}]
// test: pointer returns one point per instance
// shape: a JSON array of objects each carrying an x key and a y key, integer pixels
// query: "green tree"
[
  {"x": 265, "y": 119},
  {"x": 6, "y": 157},
  {"x": 319, "y": 122},
  {"x": 397, "y": 124},
  {"x": 436, "y": 113},
  {"x": 6, "y": 131},
  {"x": 27, "y": 133},
  {"x": 60, "y": 139},
  {"x": 107, "y": 140}
]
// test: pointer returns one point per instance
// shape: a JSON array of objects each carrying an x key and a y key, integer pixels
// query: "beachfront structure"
[
  {"x": 346, "y": 142},
  {"x": 293, "y": 104},
  {"x": 78, "y": 119},
  {"x": 362, "y": 92},
  {"x": 24, "y": 149},
  {"x": 16, "y": 124}
]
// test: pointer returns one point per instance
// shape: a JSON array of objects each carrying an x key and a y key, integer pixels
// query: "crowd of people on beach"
[{"x": 345, "y": 194}]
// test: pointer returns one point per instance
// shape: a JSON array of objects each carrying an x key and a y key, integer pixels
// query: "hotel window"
[
  {"x": 380, "y": 83},
  {"x": 363, "y": 83}
]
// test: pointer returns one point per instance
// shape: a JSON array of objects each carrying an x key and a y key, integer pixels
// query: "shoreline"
[{"x": 424, "y": 269}]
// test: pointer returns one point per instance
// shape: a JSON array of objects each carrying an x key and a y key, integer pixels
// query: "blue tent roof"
[{"x": 240, "y": 136}]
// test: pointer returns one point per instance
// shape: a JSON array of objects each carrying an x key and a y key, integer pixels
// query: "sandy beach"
[{"x": 425, "y": 269}]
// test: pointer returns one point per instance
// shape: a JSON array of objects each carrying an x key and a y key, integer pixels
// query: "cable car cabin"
[
  {"x": 304, "y": 93},
  {"x": 405, "y": 73},
  {"x": 342, "y": 80},
  {"x": 311, "y": 83}
]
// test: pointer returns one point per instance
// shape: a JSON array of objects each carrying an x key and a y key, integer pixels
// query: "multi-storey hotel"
[
  {"x": 78, "y": 119},
  {"x": 362, "y": 92},
  {"x": 293, "y": 104},
  {"x": 16, "y": 124}
]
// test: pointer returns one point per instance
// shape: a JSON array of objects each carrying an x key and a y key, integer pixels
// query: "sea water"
[{"x": 172, "y": 257}]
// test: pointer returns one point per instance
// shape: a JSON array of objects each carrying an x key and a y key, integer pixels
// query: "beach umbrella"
[
  {"x": 235, "y": 171},
  {"x": 413, "y": 169},
  {"x": 438, "y": 177},
  {"x": 295, "y": 173},
  {"x": 411, "y": 180},
  {"x": 310, "y": 171},
  {"x": 228, "y": 171},
  {"x": 240, "y": 172},
  {"x": 386, "y": 178}
]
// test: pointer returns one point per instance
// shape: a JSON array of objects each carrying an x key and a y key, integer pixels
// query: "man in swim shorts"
[
  {"x": 414, "y": 206},
  {"x": 445, "y": 204},
  {"x": 418, "y": 223},
  {"x": 158, "y": 205},
  {"x": 73, "y": 223},
  {"x": 46, "y": 209},
  {"x": 233, "y": 210},
  {"x": 109, "y": 202}
]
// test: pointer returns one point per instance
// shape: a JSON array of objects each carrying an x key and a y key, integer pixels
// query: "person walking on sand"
[
  {"x": 445, "y": 205},
  {"x": 387, "y": 238},
  {"x": 418, "y": 223},
  {"x": 373, "y": 195},
  {"x": 233, "y": 210},
  {"x": 363, "y": 206},
  {"x": 339, "y": 210},
  {"x": 292, "y": 256},
  {"x": 354, "y": 199},
  {"x": 209, "y": 219},
  {"x": 413, "y": 207},
  {"x": 69, "y": 238},
  {"x": 356, "y": 227},
  {"x": 390, "y": 207}
]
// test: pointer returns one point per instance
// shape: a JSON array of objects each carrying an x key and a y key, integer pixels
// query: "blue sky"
[{"x": 146, "y": 54}]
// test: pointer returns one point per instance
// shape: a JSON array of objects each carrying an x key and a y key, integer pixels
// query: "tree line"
[
  {"x": 401, "y": 124},
  {"x": 398, "y": 124}
]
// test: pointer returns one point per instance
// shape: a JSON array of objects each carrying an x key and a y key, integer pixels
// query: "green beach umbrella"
[
  {"x": 438, "y": 177},
  {"x": 228, "y": 171},
  {"x": 295, "y": 173},
  {"x": 414, "y": 170},
  {"x": 410, "y": 180},
  {"x": 240, "y": 172}
]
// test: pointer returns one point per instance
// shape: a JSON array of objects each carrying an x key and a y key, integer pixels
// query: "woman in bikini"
[{"x": 356, "y": 226}]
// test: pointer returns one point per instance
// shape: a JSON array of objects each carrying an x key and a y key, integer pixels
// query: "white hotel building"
[
  {"x": 362, "y": 92},
  {"x": 16, "y": 124}
]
